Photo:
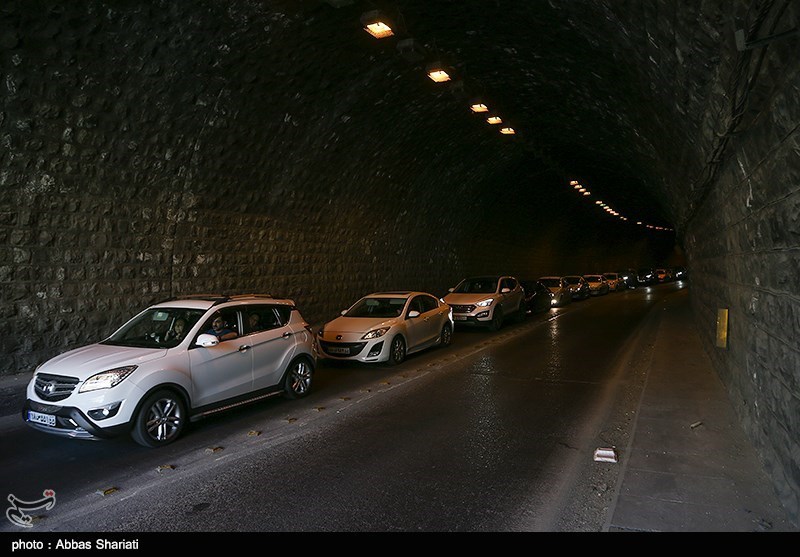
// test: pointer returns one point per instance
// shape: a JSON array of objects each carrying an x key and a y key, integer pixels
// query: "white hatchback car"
[
  {"x": 487, "y": 301},
  {"x": 175, "y": 361},
  {"x": 386, "y": 326}
]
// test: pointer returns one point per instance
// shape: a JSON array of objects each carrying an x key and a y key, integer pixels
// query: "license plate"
[
  {"x": 460, "y": 317},
  {"x": 338, "y": 350},
  {"x": 45, "y": 419}
]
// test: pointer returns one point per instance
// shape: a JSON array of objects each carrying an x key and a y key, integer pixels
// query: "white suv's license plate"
[
  {"x": 45, "y": 419},
  {"x": 338, "y": 350},
  {"x": 459, "y": 317}
]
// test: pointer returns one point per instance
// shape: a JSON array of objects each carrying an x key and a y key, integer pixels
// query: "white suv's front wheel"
[
  {"x": 298, "y": 379},
  {"x": 160, "y": 419}
]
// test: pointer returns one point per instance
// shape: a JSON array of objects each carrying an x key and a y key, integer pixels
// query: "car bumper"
[
  {"x": 480, "y": 317},
  {"x": 67, "y": 421},
  {"x": 367, "y": 351}
]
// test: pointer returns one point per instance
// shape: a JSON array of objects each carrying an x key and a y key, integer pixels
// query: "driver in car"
[{"x": 220, "y": 329}]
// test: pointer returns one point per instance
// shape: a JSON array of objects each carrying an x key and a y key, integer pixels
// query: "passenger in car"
[
  {"x": 254, "y": 323},
  {"x": 220, "y": 329},
  {"x": 178, "y": 330}
]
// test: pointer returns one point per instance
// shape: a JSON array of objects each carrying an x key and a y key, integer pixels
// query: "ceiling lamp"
[
  {"x": 587, "y": 193},
  {"x": 479, "y": 107},
  {"x": 573, "y": 183},
  {"x": 438, "y": 72},
  {"x": 507, "y": 131},
  {"x": 494, "y": 120},
  {"x": 376, "y": 24},
  {"x": 577, "y": 186}
]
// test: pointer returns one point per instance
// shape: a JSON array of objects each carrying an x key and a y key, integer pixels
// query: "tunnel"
[{"x": 154, "y": 149}]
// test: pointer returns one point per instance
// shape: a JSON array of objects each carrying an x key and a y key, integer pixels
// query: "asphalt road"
[{"x": 494, "y": 433}]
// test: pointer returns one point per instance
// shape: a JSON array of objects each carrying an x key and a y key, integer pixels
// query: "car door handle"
[
  {"x": 287, "y": 334},
  {"x": 244, "y": 348}
]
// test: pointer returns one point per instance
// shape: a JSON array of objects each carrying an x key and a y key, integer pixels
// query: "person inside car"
[
  {"x": 220, "y": 329},
  {"x": 178, "y": 330}
]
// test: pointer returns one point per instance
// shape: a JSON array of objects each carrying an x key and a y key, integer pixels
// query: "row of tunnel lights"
[
  {"x": 608, "y": 209},
  {"x": 377, "y": 24}
]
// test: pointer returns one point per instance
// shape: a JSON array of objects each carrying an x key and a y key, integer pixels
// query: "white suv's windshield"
[
  {"x": 377, "y": 307},
  {"x": 483, "y": 285},
  {"x": 156, "y": 328}
]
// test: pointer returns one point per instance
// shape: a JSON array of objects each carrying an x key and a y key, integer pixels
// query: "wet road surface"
[{"x": 494, "y": 433}]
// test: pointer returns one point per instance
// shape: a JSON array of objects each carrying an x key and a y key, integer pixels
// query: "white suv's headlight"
[
  {"x": 375, "y": 333},
  {"x": 106, "y": 379},
  {"x": 485, "y": 303}
]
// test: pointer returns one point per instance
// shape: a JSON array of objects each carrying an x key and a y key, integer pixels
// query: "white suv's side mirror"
[
  {"x": 207, "y": 341},
  {"x": 413, "y": 313},
  {"x": 450, "y": 289},
  {"x": 505, "y": 290}
]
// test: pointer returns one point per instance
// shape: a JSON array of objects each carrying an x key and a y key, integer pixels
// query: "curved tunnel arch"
[{"x": 152, "y": 149}]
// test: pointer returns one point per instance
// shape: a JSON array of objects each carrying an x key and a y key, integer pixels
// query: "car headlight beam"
[
  {"x": 375, "y": 333},
  {"x": 107, "y": 379}
]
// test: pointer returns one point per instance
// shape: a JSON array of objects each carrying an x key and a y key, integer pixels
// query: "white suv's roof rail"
[{"x": 217, "y": 298}]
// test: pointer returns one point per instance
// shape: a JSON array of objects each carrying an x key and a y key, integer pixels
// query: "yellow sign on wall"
[{"x": 722, "y": 328}]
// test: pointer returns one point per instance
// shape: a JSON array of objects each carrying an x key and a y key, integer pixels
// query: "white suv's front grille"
[
  {"x": 463, "y": 308},
  {"x": 54, "y": 387}
]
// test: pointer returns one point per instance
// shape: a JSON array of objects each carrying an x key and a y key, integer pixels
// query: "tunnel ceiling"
[
  {"x": 624, "y": 96},
  {"x": 613, "y": 93}
]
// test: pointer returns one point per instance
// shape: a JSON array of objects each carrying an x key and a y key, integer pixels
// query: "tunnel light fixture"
[
  {"x": 574, "y": 183},
  {"x": 494, "y": 120},
  {"x": 598, "y": 202},
  {"x": 587, "y": 193},
  {"x": 508, "y": 131},
  {"x": 581, "y": 190},
  {"x": 377, "y": 24},
  {"x": 438, "y": 72},
  {"x": 478, "y": 107}
]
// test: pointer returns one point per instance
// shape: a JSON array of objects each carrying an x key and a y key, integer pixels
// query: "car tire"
[
  {"x": 160, "y": 419},
  {"x": 397, "y": 350},
  {"x": 298, "y": 379},
  {"x": 446, "y": 336},
  {"x": 497, "y": 320}
]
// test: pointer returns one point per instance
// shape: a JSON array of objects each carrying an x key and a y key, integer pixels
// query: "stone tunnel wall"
[
  {"x": 154, "y": 149},
  {"x": 744, "y": 255}
]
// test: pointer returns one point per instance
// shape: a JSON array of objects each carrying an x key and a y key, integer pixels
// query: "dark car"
[
  {"x": 579, "y": 286},
  {"x": 538, "y": 297},
  {"x": 645, "y": 277}
]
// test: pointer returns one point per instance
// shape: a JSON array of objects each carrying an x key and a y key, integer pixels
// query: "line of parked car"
[{"x": 182, "y": 359}]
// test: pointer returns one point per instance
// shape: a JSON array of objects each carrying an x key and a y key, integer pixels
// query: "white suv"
[
  {"x": 175, "y": 361},
  {"x": 486, "y": 301}
]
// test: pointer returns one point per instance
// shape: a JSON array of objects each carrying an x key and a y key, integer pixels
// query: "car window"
[
  {"x": 485, "y": 285},
  {"x": 429, "y": 303},
  {"x": 156, "y": 328},
  {"x": 509, "y": 283},
  {"x": 377, "y": 307},
  {"x": 263, "y": 317},
  {"x": 230, "y": 322}
]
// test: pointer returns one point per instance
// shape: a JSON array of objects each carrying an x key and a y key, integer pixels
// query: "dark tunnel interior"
[{"x": 157, "y": 148}]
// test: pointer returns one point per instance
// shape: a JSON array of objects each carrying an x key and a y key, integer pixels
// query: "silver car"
[
  {"x": 174, "y": 362},
  {"x": 487, "y": 301},
  {"x": 386, "y": 326}
]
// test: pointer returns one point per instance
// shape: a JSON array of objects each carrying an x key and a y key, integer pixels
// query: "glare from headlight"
[
  {"x": 107, "y": 379},
  {"x": 375, "y": 333}
]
